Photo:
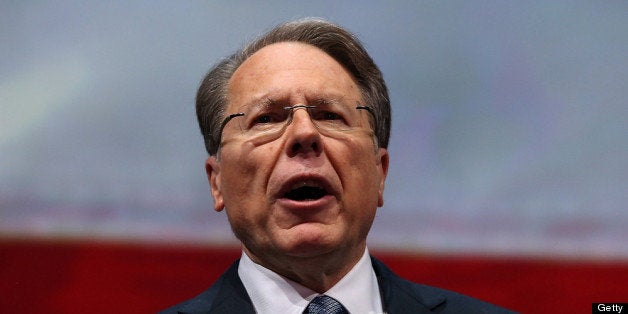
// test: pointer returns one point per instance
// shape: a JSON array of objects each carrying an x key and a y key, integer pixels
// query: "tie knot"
[{"x": 324, "y": 304}]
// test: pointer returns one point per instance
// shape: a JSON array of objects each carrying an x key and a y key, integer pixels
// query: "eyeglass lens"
[{"x": 270, "y": 120}]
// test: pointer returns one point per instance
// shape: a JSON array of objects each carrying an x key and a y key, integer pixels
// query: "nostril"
[
  {"x": 303, "y": 139},
  {"x": 301, "y": 147},
  {"x": 296, "y": 147}
]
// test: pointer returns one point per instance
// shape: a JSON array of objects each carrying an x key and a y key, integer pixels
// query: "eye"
[
  {"x": 325, "y": 115},
  {"x": 263, "y": 119},
  {"x": 267, "y": 118},
  {"x": 328, "y": 115}
]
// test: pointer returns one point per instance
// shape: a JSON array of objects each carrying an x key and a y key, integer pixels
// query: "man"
[{"x": 296, "y": 125}]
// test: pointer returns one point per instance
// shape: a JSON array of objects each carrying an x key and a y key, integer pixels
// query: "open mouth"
[{"x": 305, "y": 193}]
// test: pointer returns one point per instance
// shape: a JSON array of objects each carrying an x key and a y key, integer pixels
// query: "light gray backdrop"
[{"x": 510, "y": 120}]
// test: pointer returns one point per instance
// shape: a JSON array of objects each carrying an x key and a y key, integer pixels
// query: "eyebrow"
[
  {"x": 327, "y": 101},
  {"x": 264, "y": 101},
  {"x": 268, "y": 100}
]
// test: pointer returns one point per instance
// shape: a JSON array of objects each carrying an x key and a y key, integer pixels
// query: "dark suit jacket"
[{"x": 228, "y": 295}]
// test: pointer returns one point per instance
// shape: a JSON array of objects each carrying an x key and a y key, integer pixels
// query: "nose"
[{"x": 303, "y": 138}]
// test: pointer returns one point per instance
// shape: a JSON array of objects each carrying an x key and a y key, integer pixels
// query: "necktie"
[{"x": 323, "y": 304}]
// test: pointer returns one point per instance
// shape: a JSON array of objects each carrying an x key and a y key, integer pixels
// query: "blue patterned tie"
[{"x": 323, "y": 304}]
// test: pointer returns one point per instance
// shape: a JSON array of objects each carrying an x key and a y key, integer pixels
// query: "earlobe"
[
  {"x": 382, "y": 159},
  {"x": 212, "y": 168}
]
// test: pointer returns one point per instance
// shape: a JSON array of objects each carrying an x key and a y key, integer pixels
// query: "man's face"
[{"x": 305, "y": 192}]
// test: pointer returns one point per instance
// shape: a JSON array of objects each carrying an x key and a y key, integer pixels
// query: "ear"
[
  {"x": 212, "y": 168},
  {"x": 382, "y": 160}
]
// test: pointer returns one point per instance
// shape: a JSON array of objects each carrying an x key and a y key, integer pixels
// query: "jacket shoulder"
[
  {"x": 200, "y": 303},
  {"x": 403, "y": 296},
  {"x": 226, "y": 295}
]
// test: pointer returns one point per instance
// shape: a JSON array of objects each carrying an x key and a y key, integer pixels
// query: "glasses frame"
[{"x": 291, "y": 108}]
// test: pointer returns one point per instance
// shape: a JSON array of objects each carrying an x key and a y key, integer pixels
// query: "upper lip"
[{"x": 306, "y": 180}]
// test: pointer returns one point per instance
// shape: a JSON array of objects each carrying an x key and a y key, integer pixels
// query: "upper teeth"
[{"x": 311, "y": 183}]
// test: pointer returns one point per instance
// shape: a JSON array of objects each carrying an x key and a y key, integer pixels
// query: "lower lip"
[{"x": 306, "y": 205}]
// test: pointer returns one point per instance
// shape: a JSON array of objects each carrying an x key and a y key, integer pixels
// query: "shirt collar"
[{"x": 270, "y": 292}]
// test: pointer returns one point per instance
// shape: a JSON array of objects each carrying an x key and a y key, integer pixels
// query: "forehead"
[{"x": 293, "y": 73}]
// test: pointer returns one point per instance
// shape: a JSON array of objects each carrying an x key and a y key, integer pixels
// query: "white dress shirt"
[{"x": 270, "y": 292}]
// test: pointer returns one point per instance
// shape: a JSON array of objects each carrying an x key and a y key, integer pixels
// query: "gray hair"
[{"x": 344, "y": 47}]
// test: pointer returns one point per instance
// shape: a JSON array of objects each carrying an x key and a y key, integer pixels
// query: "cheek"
[
  {"x": 356, "y": 164},
  {"x": 242, "y": 198},
  {"x": 237, "y": 178},
  {"x": 360, "y": 157},
  {"x": 244, "y": 178},
  {"x": 246, "y": 167}
]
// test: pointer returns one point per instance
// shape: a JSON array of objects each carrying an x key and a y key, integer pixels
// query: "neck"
[{"x": 318, "y": 273}]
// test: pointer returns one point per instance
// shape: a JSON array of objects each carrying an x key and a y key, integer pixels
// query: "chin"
[{"x": 309, "y": 243}]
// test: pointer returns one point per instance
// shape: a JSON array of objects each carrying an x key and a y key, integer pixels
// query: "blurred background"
[{"x": 509, "y": 157}]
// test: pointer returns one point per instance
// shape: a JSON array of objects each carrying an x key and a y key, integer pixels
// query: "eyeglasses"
[{"x": 267, "y": 122}]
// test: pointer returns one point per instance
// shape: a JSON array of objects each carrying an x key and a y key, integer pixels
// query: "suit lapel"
[
  {"x": 232, "y": 298},
  {"x": 399, "y": 295},
  {"x": 227, "y": 296}
]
